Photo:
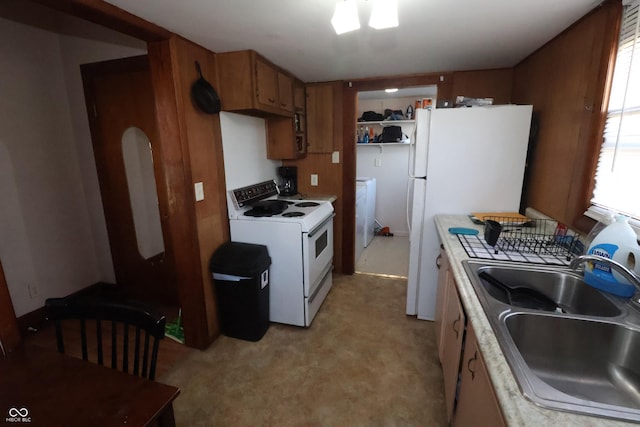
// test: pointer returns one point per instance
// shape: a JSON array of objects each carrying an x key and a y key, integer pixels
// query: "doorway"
[
  {"x": 386, "y": 166},
  {"x": 121, "y": 109}
]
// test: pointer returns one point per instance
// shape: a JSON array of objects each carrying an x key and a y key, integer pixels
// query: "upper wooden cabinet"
[
  {"x": 250, "y": 84},
  {"x": 322, "y": 127},
  {"x": 299, "y": 96},
  {"x": 286, "y": 136},
  {"x": 285, "y": 91}
]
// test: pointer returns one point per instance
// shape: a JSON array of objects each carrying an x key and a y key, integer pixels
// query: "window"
[{"x": 617, "y": 178}]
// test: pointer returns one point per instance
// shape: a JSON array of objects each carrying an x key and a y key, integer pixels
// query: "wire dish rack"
[{"x": 537, "y": 241}]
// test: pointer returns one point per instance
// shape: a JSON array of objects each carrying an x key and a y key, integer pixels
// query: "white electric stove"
[{"x": 299, "y": 237}]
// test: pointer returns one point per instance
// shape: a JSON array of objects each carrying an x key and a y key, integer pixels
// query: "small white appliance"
[
  {"x": 463, "y": 160},
  {"x": 299, "y": 237}
]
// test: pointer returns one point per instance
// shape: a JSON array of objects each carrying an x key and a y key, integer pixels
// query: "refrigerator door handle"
[{"x": 409, "y": 197}]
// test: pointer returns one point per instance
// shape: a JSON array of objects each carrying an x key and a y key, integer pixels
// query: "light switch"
[
  {"x": 377, "y": 162},
  {"x": 314, "y": 179},
  {"x": 199, "y": 188},
  {"x": 335, "y": 157}
]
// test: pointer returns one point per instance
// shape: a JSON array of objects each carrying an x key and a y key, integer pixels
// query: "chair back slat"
[
  {"x": 83, "y": 340},
  {"x": 136, "y": 360},
  {"x": 138, "y": 317},
  {"x": 145, "y": 355},
  {"x": 59, "y": 340},
  {"x": 99, "y": 342},
  {"x": 154, "y": 358},
  {"x": 125, "y": 348}
]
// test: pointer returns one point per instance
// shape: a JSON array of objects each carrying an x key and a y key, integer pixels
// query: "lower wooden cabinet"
[
  {"x": 452, "y": 335},
  {"x": 469, "y": 395},
  {"x": 443, "y": 275},
  {"x": 477, "y": 405}
]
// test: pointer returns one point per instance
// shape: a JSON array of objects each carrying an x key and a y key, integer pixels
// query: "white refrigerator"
[{"x": 464, "y": 160}]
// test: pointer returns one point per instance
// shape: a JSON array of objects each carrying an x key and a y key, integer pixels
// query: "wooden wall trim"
[
  {"x": 349, "y": 157},
  {"x": 110, "y": 16}
]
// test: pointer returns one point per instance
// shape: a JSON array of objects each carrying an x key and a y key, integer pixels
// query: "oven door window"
[{"x": 321, "y": 243}]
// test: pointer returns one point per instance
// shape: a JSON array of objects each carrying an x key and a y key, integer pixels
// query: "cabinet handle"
[
  {"x": 473, "y": 359},
  {"x": 454, "y": 326},
  {"x": 271, "y": 100},
  {"x": 438, "y": 258}
]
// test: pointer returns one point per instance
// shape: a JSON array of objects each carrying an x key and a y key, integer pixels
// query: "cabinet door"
[
  {"x": 443, "y": 277},
  {"x": 320, "y": 118},
  {"x": 267, "y": 84},
  {"x": 299, "y": 97},
  {"x": 453, "y": 334},
  {"x": 285, "y": 91},
  {"x": 283, "y": 140},
  {"x": 477, "y": 402}
]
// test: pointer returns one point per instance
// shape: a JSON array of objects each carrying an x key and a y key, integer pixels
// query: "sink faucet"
[{"x": 632, "y": 277}]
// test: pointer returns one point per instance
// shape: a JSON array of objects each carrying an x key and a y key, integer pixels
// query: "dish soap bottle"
[{"x": 616, "y": 241}]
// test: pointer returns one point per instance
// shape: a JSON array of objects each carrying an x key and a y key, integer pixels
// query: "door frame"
[{"x": 444, "y": 82}]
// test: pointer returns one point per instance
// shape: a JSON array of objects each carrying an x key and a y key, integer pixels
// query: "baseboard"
[
  {"x": 35, "y": 320},
  {"x": 32, "y": 322}
]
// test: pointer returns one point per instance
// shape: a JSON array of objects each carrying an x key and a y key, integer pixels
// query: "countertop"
[{"x": 517, "y": 410}]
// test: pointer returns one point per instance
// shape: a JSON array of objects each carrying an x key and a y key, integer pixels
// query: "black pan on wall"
[{"x": 204, "y": 95}]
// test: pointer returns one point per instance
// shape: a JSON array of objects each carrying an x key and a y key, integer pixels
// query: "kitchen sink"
[
  {"x": 583, "y": 357},
  {"x": 565, "y": 288},
  {"x": 580, "y": 360}
]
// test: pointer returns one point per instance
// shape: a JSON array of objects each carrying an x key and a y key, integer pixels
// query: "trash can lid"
[{"x": 240, "y": 259}]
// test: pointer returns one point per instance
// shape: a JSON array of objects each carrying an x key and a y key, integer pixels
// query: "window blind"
[{"x": 617, "y": 178}]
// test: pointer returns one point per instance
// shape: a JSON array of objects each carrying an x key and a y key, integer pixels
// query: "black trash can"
[{"x": 241, "y": 277}]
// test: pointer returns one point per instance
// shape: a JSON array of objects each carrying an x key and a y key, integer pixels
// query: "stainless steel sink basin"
[
  {"x": 578, "y": 361},
  {"x": 565, "y": 288},
  {"x": 584, "y": 359}
]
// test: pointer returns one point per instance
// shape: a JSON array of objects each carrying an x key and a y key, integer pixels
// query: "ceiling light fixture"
[
  {"x": 384, "y": 14},
  {"x": 391, "y": 90},
  {"x": 345, "y": 17}
]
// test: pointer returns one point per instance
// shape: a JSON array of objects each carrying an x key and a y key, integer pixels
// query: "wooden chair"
[{"x": 121, "y": 317}]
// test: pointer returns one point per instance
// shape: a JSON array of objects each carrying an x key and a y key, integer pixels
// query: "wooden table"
[{"x": 59, "y": 390}]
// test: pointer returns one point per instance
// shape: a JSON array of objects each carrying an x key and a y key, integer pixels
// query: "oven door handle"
[{"x": 321, "y": 225}]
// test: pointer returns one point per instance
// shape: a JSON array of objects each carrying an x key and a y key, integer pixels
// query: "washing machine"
[
  {"x": 370, "y": 208},
  {"x": 361, "y": 196}
]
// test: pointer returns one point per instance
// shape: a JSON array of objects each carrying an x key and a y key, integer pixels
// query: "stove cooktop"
[{"x": 260, "y": 202}]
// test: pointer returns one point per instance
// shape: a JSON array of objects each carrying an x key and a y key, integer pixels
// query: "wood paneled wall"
[
  {"x": 191, "y": 145},
  {"x": 205, "y": 162},
  {"x": 566, "y": 81},
  {"x": 494, "y": 84}
]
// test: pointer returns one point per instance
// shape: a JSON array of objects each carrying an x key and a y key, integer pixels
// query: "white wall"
[
  {"x": 244, "y": 145},
  {"x": 391, "y": 182},
  {"x": 48, "y": 242}
]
